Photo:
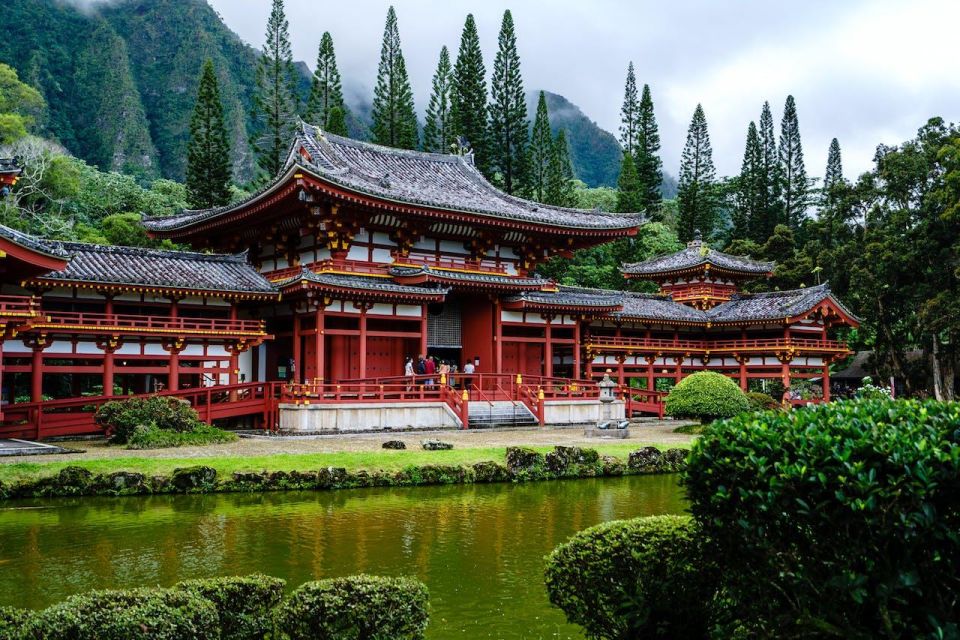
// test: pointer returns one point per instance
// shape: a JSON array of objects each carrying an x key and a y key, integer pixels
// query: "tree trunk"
[
  {"x": 943, "y": 372},
  {"x": 896, "y": 362}
]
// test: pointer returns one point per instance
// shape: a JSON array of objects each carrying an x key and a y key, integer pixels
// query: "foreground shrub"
[
  {"x": 243, "y": 603},
  {"x": 761, "y": 401},
  {"x": 839, "y": 520},
  {"x": 136, "y": 614},
  {"x": 153, "y": 437},
  {"x": 13, "y": 620},
  {"x": 355, "y": 608},
  {"x": 706, "y": 395},
  {"x": 633, "y": 579},
  {"x": 121, "y": 417}
]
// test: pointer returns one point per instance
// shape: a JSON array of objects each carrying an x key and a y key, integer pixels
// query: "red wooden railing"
[
  {"x": 620, "y": 343},
  {"x": 449, "y": 263},
  {"x": 20, "y": 306},
  {"x": 328, "y": 265},
  {"x": 682, "y": 292},
  {"x": 74, "y": 416},
  {"x": 98, "y": 322}
]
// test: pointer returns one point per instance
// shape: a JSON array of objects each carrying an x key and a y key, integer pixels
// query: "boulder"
[
  {"x": 490, "y": 472},
  {"x": 193, "y": 479},
  {"x": 394, "y": 444},
  {"x": 645, "y": 459},
  {"x": 442, "y": 474},
  {"x": 74, "y": 479},
  {"x": 122, "y": 482},
  {"x": 675, "y": 459},
  {"x": 568, "y": 459},
  {"x": 331, "y": 477},
  {"x": 250, "y": 478},
  {"x": 524, "y": 462},
  {"x": 435, "y": 445},
  {"x": 612, "y": 466}
]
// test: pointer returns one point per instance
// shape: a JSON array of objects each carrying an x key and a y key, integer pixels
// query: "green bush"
[
  {"x": 707, "y": 396},
  {"x": 13, "y": 620},
  {"x": 147, "y": 614},
  {"x": 840, "y": 520},
  {"x": 121, "y": 417},
  {"x": 761, "y": 401},
  {"x": 153, "y": 437},
  {"x": 244, "y": 603},
  {"x": 633, "y": 579},
  {"x": 355, "y": 608}
]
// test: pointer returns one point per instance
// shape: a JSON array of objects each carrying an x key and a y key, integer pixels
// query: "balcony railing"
[
  {"x": 692, "y": 292},
  {"x": 82, "y": 322},
  {"x": 19, "y": 307},
  {"x": 449, "y": 263},
  {"x": 362, "y": 267},
  {"x": 612, "y": 343}
]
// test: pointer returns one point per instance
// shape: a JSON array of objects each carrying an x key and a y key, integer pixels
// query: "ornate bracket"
[
  {"x": 109, "y": 344},
  {"x": 174, "y": 345},
  {"x": 37, "y": 342}
]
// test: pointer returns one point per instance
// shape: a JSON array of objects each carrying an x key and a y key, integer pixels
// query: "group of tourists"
[{"x": 430, "y": 367}]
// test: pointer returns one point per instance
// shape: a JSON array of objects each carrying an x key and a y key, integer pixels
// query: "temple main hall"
[{"x": 315, "y": 290}]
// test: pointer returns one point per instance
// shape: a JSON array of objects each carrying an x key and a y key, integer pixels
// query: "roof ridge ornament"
[
  {"x": 697, "y": 241},
  {"x": 385, "y": 180}
]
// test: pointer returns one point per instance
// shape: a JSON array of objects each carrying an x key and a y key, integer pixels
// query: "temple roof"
[
  {"x": 155, "y": 268},
  {"x": 467, "y": 278},
  {"x": 657, "y": 307},
  {"x": 569, "y": 297},
  {"x": 374, "y": 284},
  {"x": 31, "y": 242},
  {"x": 773, "y": 305},
  {"x": 437, "y": 181},
  {"x": 694, "y": 256},
  {"x": 10, "y": 166}
]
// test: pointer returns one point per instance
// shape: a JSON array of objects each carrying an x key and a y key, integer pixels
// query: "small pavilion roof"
[
  {"x": 364, "y": 285},
  {"x": 775, "y": 305},
  {"x": 139, "y": 268},
  {"x": 436, "y": 181},
  {"x": 695, "y": 257},
  {"x": 454, "y": 277}
]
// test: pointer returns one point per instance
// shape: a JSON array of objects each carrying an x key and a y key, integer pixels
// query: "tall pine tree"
[
  {"x": 437, "y": 128},
  {"x": 696, "y": 190},
  {"x": 629, "y": 197},
  {"x": 468, "y": 107},
  {"x": 275, "y": 101},
  {"x": 394, "y": 119},
  {"x": 768, "y": 213},
  {"x": 560, "y": 190},
  {"x": 509, "y": 127},
  {"x": 630, "y": 114},
  {"x": 833, "y": 176},
  {"x": 748, "y": 212},
  {"x": 326, "y": 94},
  {"x": 208, "y": 153},
  {"x": 649, "y": 165},
  {"x": 540, "y": 151},
  {"x": 794, "y": 185}
]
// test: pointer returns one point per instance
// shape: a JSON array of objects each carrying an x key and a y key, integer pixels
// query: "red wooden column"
[
  {"x": 576, "y": 348},
  {"x": 423, "y": 330},
  {"x": 364, "y": 306},
  {"x": 650, "y": 379},
  {"x": 498, "y": 336},
  {"x": 174, "y": 347},
  {"x": 108, "y": 347},
  {"x": 548, "y": 347},
  {"x": 38, "y": 344},
  {"x": 234, "y": 376},
  {"x": 318, "y": 344},
  {"x": 742, "y": 361},
  {"x": 297, "y": 365},
  {"x": 826, "y": 382}
]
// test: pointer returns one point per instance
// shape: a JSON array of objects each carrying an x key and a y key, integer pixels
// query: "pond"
[{"x": 479, "y": 548}]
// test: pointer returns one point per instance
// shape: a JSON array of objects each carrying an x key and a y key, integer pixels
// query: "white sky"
[{"x": 865, "y": 71}]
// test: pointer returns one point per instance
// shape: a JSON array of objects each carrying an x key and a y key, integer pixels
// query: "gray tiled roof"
[
  {"x": 370, "y": 283},
  {"x": 695, "y": 255},
  {"x": 572, "y": 296},
  {"x": 448, "y": 182},
  {"x": 159, "y": 268},
  {"x": 10, "y": 165},
  {"x": 771, "y": 305},
  {"x": 651, "y": 306},
  {"x": 32, "y": 242},
  {"x": 468, "y": 277}
]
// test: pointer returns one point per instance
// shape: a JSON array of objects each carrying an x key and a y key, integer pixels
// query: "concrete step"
[{"x": 500, "y": 414}]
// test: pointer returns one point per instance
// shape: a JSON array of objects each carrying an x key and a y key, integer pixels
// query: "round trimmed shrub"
[
  {"x": 135, "y": 614},
  {"x": 355, "y": 608},
  {"x": 243, "y": 603},
  {"x": 760, "y": 401},
  {"x": 840, "y": 520},
  {"x": 121, "y": 417},
  {"x": 706, "y": 395},
  {"x": 634, "y": 579}
]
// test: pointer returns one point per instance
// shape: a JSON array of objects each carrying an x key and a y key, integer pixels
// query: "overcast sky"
[{"x": 866, "y": 71}]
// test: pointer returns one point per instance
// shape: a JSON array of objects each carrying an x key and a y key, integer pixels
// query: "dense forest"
[{"x": 140, "y": 109}]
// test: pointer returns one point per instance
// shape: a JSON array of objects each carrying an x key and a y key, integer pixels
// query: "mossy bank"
[{"x": 521, "y": 464}]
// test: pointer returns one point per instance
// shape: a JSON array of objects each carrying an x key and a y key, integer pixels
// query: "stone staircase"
[{"x": 500, "y": 413}]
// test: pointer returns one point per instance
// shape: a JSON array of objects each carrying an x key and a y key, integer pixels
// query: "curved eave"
[
  {"x": 31, "y": 259},
  {"x": 485, "y": 285},
  {"x": 119, "y": 287},
  {"x": 526, "y": 305},
  {"x": 829, "y": 307},
  {"x": 700, "y": 268},
  {"x": 298, "y": 178},
  {"x": 299, "y": 287}
]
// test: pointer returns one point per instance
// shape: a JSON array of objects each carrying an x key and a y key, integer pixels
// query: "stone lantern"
[{"x": 607, "y": 427}]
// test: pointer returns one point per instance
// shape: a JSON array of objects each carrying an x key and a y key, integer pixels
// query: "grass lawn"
[{"x": 387, "y": 460}]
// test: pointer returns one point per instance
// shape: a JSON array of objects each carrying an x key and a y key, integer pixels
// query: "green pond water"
[{"x": 479, "y": 548}]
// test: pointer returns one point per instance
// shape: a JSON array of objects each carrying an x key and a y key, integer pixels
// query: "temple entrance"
[{"x": 445, "y": 332}]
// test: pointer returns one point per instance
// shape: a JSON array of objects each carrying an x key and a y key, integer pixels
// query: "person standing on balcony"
[
  {"x": 430, "y": 368},
  {"x": 409, "y": 373}
]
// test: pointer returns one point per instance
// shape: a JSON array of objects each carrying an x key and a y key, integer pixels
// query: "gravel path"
[{"x": 647, "y": 432}]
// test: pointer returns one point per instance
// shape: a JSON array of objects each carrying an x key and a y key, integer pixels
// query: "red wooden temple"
[{"x": 356, "y": 256}]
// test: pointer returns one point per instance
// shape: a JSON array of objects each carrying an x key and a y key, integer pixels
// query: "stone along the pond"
[{"x": 479, "y": 547}]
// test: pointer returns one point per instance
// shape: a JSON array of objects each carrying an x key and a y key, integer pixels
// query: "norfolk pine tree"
[
  {"x": 629, "y": 114},
  {"x": 769, "y": 209},
  {"x": 748, "y": 212},
  {"x": 696, "y": 190},
  {"x": 795, "y": 188},
  {"x": 208, "y": 153},
  {"x": 560, "y": 190},
  {"x": 468, "y": 106},
  {"x": 326, "y": 93},
  {"x": 629, "y": 199},
  {"x": 275, "y": 102},
  {"x": 438, "y": 129},
  {"x": 509, "y": 127},
  {"x": 833, "y": 176},
  {"x": 540, "y": 151},
  {"x": 393, "y": 115},
  {"x": 647, "y": 154}
]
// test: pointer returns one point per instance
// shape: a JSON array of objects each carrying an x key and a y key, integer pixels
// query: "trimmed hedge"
[
  {"x": 634, "y": 579},
  {"x": 243, "y": 603},
  {"x": 706, "y": 395},
  {"x": 760, "y": 401},
  {"x": 839, "y": 520},
  {"x": 148, "y": 614},
  {"x": 355, "y": 608},
  {"x": 121, "y": 417},
  {"x": 13, "y": 620}
]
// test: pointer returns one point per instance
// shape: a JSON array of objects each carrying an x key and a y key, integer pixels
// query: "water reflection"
[{"x": 479, "y": 548}]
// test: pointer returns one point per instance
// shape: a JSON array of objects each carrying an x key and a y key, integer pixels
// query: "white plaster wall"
[
  {"x": 366, "y": 417},
  {"x": 560, "y": 412}
]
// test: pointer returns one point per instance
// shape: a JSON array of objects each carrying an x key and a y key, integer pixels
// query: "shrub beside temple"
[{"x": 706, "y": 396}]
